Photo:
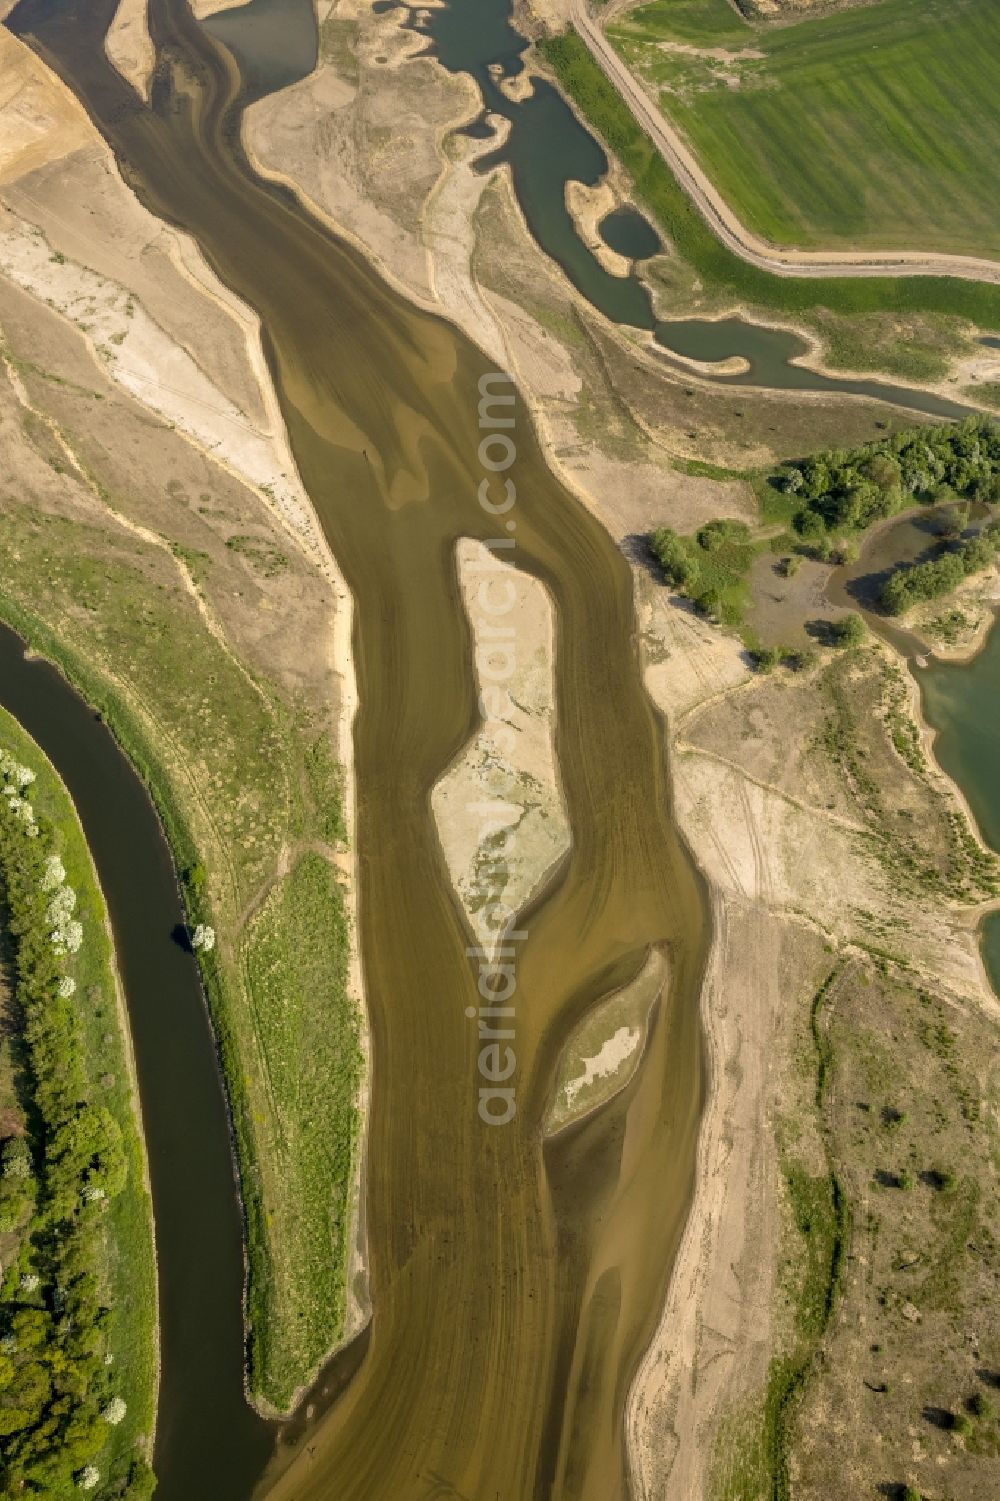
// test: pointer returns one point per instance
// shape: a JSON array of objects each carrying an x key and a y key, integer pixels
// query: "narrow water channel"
[
  {"x": 498, "y": 1269},
  {"x": 274, "y": 41},
  {"x": 199, "y": 1230}
]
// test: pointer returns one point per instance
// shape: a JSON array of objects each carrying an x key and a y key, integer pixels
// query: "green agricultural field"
[{"x": 875, "y": 126}]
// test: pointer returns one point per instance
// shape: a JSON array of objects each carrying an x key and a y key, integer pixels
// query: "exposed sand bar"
[{"x": 129, "y": 46}]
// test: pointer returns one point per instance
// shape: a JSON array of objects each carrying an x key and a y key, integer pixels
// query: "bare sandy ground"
[
  {"x": 720, "y": 217},
  {"x": 499, "y": 808},
  {"x": 129, "y": 46},
  {"x": 204, "y": 8},
  {"x": 788, "y": 877},
  {"x": 587, "y": 207}
]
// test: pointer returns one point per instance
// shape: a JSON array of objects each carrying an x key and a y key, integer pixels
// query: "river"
[
  {"x": 199, "y": 1228},
  {"x": 515, "y": 1287}
]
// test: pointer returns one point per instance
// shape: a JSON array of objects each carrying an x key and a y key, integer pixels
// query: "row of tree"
[
  {"x": 941, "y": 575},
  {"x": 57, "y": 1400}
]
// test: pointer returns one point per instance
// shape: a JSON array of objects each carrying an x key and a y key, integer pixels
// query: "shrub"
[
  {"x": 851, "y": 631},
  {"x": 766, "y": 658}
]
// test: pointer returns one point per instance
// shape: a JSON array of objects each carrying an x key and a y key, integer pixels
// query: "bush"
[
  {"x": 766, "y": 658},
  {"x": 673, "y": 556},
  {"x": 709, "y": 568},
  {"x": 851, "y": 631}
]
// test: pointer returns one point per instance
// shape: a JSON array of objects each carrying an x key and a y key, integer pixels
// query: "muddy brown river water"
[{"x": 515, "y": 1286}]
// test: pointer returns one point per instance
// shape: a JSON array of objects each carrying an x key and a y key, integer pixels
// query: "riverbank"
[
  {"x": 121, "y": 1224},
  {"x": 247, "y": 562}
]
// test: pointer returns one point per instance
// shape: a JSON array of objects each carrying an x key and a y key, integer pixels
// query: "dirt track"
[{"x": 720, "y": 217}]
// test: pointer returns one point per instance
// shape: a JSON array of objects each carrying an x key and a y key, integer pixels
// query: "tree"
[
  {"x": 203, "y": 938},
  {"x": 849, "y": 632},
  {"x": 679, "y": 567}
]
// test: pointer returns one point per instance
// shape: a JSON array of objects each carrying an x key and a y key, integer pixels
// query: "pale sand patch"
[
  {"x": 449, "y": 234},
  {"x": 980, "y": 366},
  {"x": 129, "y": 46},
  {"x": 142, "y": 358},
  {"x": 603, "y": 1050},
  {"x": 367, "y": 156},
  {"x": 499, "y": 807},
  {"x": 615, "y": 1051},
  {"x": 518, "y": 88},
  {"x": 587, "y": 206},
  {"x": 203, "y": 8},
  {"x": 41, "y": 121}
]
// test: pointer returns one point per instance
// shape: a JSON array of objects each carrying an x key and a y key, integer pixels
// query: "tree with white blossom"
[
  {"x": 114, "y": 1412},
  {"x": 203, "y": 938}
]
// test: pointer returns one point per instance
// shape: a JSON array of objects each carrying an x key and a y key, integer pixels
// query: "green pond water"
[{"x": 962, "y": 703}]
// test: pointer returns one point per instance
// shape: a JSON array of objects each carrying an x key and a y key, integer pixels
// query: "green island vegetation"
[
  {"x": 78, "y": 1355},
  {"x": 868, "y": 127},
  {"x": 848, "y": 490},
  {"x": 910, "y": 585},
  {"x": 906, "y": 326},
  {"x": 831, "y": 499},
  {"x": 242, "y": 771}
]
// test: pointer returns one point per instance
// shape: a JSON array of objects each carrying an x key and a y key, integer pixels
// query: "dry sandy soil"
[
  {"x": 788, "y": 849},
  {"x": 129, "y": 46},
  {"x": 499, "y": 808}
]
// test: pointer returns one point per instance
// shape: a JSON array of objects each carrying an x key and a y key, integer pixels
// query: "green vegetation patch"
[
  {"x": 78, "y": 1363},
  {"x": 718, "y": 268},
  {"x": 261, "y": 554},
  {"x": 240, "y": 774},
  {"x": 756, "y": 1463},
  {"x": 711, "y": 567},
  {"x": 308, "y": 1028},
  {"x": 847, "y": 490},
  {"x": 874, "y": 126},
  {"x": 941, "y": 575}
]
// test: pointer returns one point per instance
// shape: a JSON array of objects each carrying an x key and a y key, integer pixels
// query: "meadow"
[{"x": 874, "y": 126}]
